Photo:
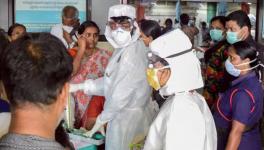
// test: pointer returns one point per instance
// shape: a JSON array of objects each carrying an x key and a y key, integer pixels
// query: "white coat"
[
  {"x": 183, "y": 123},
  {"x": 128, "y": 109}
]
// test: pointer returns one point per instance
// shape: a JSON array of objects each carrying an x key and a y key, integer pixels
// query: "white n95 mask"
[
  {"x": 121, "y": 37},
  {"x": 67, "y": 28}
]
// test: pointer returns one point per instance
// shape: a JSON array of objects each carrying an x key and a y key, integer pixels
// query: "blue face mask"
[
  {"x": 216, "y": 34},
  {"x": 230, "y": 68},
  {"x": 231, "y": 37}
]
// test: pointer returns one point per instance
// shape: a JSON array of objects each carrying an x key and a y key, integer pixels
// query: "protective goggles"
[
  {"x": 153, "y": 58},
  {"x": 126, "y": 24}
]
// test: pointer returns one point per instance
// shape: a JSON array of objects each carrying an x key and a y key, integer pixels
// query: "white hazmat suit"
[
  {"x": 127, "y": 109},
  {"x": 184, "y": 121}
]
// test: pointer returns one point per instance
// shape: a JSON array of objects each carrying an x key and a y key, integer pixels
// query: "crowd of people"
[{"x": 145, "y": 91}]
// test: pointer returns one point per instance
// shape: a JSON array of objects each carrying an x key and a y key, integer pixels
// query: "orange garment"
[
  {"x": 94, "y": 109},
  {"x": 95, "y": 106},
  {"x": 91, "y": 67},
  {"x": 72, "y": 52}
]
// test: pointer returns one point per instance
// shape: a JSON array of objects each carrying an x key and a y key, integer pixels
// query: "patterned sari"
[{"x": 92, "y": 67}]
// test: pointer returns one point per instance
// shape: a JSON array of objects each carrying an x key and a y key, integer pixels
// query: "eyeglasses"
[{"x": 125, "y": 25}]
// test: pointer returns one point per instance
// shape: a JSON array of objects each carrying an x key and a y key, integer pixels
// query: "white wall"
[
  {"x": 5, "y": 14},
  {"x": 100, "y": 12}
]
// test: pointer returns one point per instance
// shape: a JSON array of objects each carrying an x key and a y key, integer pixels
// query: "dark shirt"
[
  {"x": 4, "y": 106},
  {"x": 244, "y": 109},
  {"x": 14, "y": 141}
]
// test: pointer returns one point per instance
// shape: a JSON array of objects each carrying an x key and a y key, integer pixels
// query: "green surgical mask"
[
  {"x": 216, "y": 35},
  {"x": 232, "y": 37}
]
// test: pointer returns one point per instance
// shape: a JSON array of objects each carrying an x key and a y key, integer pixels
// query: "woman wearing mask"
[
  {"x": 89, "y": 63},
  {"x": 215, "y": 57},
  {"x": 240, "y": 107}
]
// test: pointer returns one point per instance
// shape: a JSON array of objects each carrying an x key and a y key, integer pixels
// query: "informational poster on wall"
[{"x": 41, "y": 15}]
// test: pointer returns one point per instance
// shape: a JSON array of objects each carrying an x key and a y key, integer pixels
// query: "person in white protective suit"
[
  {"x": 184, "y": 121},
  {"x": 127, "y": 109}
]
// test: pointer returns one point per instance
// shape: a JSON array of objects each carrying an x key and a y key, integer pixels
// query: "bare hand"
[
  {"x": 82, "y": 43},
  {"x": 67, "y": 36},
  {"x": 91, "y": 132}
]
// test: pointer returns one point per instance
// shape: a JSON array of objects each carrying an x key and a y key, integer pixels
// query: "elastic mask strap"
[
  {"x": 261, "y": 65},
  {"x": 178, "y": 54},
  {"x": 246, "y": 63},
  {"x": 165, "y": 67}
]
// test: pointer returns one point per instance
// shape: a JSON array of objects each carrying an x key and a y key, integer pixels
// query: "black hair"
[
  {"x": 4, "y": 42},
  {"x": 204, "y": 24},
  {"x": 12, "y": 27},
  {"x": 87, "y": 24},
  {"x": 244, "y": 50},
  {"x": 221, "y": 19},
  {"x": 168, "y": 22},
  {"x": 150, "y": 28},
  {"x": 240, "y": 17},
  {"x": 184, "y": 19},
  {"x": 62, "y": 137},
  {"x": 36, "y": 69}
]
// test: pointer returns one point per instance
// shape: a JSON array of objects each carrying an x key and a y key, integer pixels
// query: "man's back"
[{"x": 14, "y": 141}]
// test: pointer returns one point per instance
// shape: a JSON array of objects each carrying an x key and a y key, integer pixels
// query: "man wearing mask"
[
  {"x": 127, "y": 110},
  {"x": 65, "y": 30},
  {"x": 184, "y": 121},
  {"x": 36, "y": 74},
  {"x": 238, "y": 29}
]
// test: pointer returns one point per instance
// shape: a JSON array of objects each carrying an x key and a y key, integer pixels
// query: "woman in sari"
[{"x": 89, "y": 63}]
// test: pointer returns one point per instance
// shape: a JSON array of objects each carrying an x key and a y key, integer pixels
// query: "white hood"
[
  {"x": 122, "y": 10},
  {"x": 185, "y": 68},
  {"x": 117, "y": 11}
]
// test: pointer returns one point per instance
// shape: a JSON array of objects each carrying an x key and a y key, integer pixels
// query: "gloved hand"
[
  {"x": 76, "y": 87},
  {"x": 87, "y": 85},
  {"x": 99, "y": 126}
]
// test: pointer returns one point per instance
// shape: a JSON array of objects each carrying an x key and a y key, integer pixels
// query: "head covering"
[
  {"x": 118, "y": 11},
  {"x": 122, "y": 10},
  {"x": 185, "y": 67}
]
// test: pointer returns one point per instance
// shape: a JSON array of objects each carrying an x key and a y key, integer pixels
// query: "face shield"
[{"x": 176, "y": 48}]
